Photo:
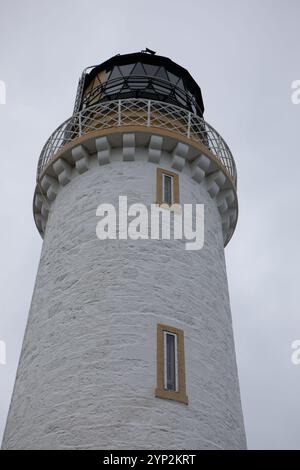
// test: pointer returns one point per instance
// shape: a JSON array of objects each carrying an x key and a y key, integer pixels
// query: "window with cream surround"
[
  {"x": 167, "y": 187},
  {"x": 171, "y": 383}
]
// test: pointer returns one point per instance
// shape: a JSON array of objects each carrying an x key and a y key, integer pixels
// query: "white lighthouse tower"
[{"x": 129, "y": 343}]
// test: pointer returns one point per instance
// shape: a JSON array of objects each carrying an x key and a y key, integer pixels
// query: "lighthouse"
[{"x": 129, "y": 342}]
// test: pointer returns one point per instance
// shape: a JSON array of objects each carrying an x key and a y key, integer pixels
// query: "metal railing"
[
  {"x": 139, "y": 87},
  {"x": 138, "y": 112}
]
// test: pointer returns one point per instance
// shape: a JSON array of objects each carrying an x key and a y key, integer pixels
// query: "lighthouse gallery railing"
[{"x": 138, "y": 112}]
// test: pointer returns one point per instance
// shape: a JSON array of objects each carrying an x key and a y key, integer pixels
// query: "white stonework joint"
[
  {"x": 45, "y": 209},
  {"x": 39, "y": 220},
  {"x": 203, "y": 162},
  {"x": 38, "y": 202},
  {"x": 103, "y": 150},
  {"x": 128, "y": 147},
  {"x": 50, "y": 186},
  {"x": 199, "y": 168},
  {"x": 81, "y": 158},
  {"x": 232, "y": 214},
  {"x": 214, "y": 183},
  {"x": 225, "y": 223},
  {"x": 224, "y": 200},
  {"x": 155, "y": 148},
  {"x": 179, "y": 156},
  {"x": 63, "y": 171},
  {"x": 197, "y": 173}
]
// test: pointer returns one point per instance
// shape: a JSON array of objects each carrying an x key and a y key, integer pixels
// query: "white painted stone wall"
[{"x": 87, "y": 372}]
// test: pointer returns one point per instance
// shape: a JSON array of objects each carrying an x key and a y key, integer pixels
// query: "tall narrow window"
[
  {"x": 170, "y": 364},
  {"x": 167, "y": 190},
  {"x": 170, "y": 350}
]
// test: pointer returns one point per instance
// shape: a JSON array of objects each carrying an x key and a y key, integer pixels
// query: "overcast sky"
[{"x": 244, "y": 54}]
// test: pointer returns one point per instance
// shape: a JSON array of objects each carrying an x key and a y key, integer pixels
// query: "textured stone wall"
[{"x": 87, "y": 372}]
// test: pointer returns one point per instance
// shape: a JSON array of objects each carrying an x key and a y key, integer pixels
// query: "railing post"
[
  {"x": 189, "y": 126},
  {"x": 149, "y": 113},
  {"x": 119, "y": 113},
  {"x": 80, "y": 124}
]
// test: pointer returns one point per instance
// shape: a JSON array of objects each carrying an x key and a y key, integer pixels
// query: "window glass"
[
  {"x": 111, "y": 90},
  {"x": 161, "y": 73},
  {"x": 135, "y": 82},
  {"x": 126, "y": 69},
  {"x": 167, "y": 186},
  {"x": 181, "y": 98},
  {"x": 180, "y": 85},
  {"x": 138, "y": 69},
  {"x": 150, "y": 69},
  {"x": 115, "y": 73},
  {"x": 161, "y": 89},
  {"x": 170, "y": 361},
  {"x": 173, "y": 78}
]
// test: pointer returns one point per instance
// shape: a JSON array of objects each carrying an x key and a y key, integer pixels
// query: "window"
[
  {"x": 170, "y": 364},
  {"x": 167, "y": 190},
  {"x": 126, "y": 69}
]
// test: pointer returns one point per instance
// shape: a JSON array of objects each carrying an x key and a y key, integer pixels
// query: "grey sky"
[{"x": 244, "y": 54}]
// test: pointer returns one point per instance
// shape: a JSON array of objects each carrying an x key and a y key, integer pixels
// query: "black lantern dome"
[{"x": 140, "y": 75}]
